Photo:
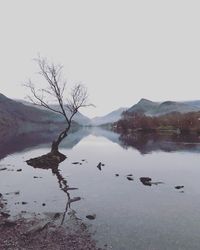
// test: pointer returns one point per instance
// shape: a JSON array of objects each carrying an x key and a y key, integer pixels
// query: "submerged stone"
[
  {"x": 99, "y": 166},
  {"x": 91, "y": 216},
  {"x": 129, "y": 178},
  {"x": 146, "y": 181},
  {"x": 9, "y": 223},
  {"x": 2, "y": 169},
  {"x": 47, "y": 161},
  {"x": 179, "y": 187},
  {"x": 5, "y": 215}
]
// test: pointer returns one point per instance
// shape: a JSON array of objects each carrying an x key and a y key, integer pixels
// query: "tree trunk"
[
  {"x": 55, "y": 144},
  {"x": 54, "y": 147}
]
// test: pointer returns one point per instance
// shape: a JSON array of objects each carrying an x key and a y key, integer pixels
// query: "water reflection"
[
  {"x": 128, "y": 197},
  {"x": 62, "y": 182},
  {"x": 143, "y": 142},
  {"x": 149, "y": 142},
  {"x": 12, "y": 142},
  {"x": 51, "y": 161}
]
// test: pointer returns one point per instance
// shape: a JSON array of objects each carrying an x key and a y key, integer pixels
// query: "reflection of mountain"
[
  {"x": 12, "y": 143},
  {"x": 112, "y": 117},
  {"x": 110, "y": 135},
  {"x": 74, "y": 138},
  {"x": 143, "y": 142},
  {"x": 147, "y": 143}
]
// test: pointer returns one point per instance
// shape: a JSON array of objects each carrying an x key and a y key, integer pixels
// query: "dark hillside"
[{"x": 15, "y": 115}]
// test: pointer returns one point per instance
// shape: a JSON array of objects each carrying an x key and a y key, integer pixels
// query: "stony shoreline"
[{"x": 43, "y": 233}]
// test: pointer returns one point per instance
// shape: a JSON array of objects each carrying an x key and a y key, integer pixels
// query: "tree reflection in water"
[{"x": 51, "y": 161}]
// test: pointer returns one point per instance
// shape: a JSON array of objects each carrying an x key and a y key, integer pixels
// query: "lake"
[{"x": 128, "y": 214}]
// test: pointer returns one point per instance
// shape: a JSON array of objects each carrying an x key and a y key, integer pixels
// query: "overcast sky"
[{"x": 121, "y": 50}]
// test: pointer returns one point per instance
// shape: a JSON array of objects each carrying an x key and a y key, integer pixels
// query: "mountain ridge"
[
  {"x": 83, "y": 120},
  {"x": 19, "y": 111},
  {"x": 111, "y": 117},
  {"x": 79, "y": 117},
  {"x": 17, "y": 116},
  {"x": 150, "y": 108}
]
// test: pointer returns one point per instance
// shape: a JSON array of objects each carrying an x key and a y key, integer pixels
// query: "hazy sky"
[{"x": 121, "y": 50}]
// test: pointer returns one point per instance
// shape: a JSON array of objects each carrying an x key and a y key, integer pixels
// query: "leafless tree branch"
[{"x": 56, "y": 87}]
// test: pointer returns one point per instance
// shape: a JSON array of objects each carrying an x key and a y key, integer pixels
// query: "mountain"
[
  {"x": 169, "y": 107},
  {"x": 143, "y": 106},
  {"x": 150, "y": 108},
  {"x": 16, "y": 115},
  {"x": 195, "y": 103},
  {"x": 109, "y": 118},
  {"x": 79, "y": 118}
]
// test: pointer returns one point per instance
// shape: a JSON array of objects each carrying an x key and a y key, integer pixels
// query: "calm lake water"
[{"x": 129, "y": 214}]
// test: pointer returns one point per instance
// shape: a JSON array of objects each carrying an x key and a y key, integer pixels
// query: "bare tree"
[{"x": 56, "y": 88}]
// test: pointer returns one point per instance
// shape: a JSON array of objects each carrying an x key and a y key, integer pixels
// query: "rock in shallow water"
[
  {"x": 179, "y": 187},
  {"x": 91, "y": 216},
  {"x": 50, "y": 160},
  {"x": 99, "y": 166},
  {"x": 129, "y": 178},
  {"x": 5, "y": 215},
  {"x": 2, "y": 169},
  {"x": 146, "y": 181}
]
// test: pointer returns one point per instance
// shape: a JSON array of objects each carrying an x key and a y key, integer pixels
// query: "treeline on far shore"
[{"x": 173, "y": 122}]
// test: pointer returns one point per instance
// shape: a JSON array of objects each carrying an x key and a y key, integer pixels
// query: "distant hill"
[
  {"x": 143, "y": 106},
  {"x": 14, "y": 114},
  {"x": 195, "y": 103},
  {"x": 79, "y": 118},
  {"x": 150, "y": 108},
  {"x": 109, "y": 118}
]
